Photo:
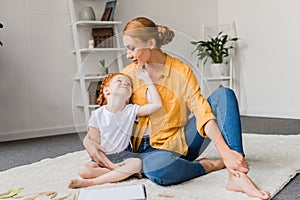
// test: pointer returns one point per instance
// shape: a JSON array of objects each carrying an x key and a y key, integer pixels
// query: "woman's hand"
[{"x": 234, "y": 162}]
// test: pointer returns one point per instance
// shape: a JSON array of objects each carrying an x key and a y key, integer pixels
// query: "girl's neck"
[{"x": 115, "y": 104}]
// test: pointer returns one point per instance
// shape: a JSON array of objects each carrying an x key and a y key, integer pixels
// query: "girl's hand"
[
  {"x": 234, "y": 162},
  {"x": 142, "y": 74},
  {"x": 97, "y": 153},
  {"x": 117, "y": 165}
]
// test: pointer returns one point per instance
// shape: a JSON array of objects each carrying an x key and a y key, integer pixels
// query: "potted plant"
[
  {"x": 216, "y": 49},
  {"x": 104, "y": 69}
]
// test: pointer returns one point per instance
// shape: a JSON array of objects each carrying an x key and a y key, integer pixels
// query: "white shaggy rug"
[{"x": 273, "y": 161}]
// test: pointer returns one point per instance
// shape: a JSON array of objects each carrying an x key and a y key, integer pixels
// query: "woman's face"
[{"x": 137, "y": 51}]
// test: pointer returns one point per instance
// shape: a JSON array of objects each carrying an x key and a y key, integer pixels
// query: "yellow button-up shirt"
[{"x": 180, "y": 94}]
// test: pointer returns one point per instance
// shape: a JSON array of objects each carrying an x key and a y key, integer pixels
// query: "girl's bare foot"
[
  {"x": 138, "y": 175},
  {"x": 79, "y": 183},
  {"x": 211, "y": 165},
  {"x": 245, "y": 184}
]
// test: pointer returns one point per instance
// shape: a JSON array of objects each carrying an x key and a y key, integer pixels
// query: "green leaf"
[
  {"x": 214, "y": 48},
  {"x": 102, "y": 62}
]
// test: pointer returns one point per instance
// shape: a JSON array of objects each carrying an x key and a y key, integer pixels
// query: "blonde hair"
[
  {"x": 145, "y": 29},
  {"x": 105, "y": 83}
]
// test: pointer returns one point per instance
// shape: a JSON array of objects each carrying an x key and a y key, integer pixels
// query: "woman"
[{"x": 168, "y": 141}]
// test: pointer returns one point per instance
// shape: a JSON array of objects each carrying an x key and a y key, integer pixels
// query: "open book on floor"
[{"x": 132, "y": 192}]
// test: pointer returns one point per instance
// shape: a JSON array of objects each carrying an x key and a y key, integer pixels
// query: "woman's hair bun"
[{"x": 165, "y": 34}]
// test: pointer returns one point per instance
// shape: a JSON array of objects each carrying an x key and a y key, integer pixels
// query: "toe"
[{"x": 266, "y": 194}]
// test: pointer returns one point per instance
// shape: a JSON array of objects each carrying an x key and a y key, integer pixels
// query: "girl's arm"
[
  {"x": 91, "y": 142},
  {"x": 94, "y": 134},
  {"x": 156, "y": 103}
]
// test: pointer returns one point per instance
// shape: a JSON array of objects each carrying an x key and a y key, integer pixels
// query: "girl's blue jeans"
[{"x": 168, "y": 168}]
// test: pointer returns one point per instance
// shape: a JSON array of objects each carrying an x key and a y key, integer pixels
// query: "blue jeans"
[{"x": 168, "y": 168}]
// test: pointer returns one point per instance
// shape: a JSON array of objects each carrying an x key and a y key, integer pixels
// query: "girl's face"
[
  {"x": 121, "y": 84},
  {"x": 137, "y": 51}
]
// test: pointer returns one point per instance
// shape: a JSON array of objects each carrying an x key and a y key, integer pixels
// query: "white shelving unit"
[
  {"x": 82, "y": 32},
  {"x": 209, "y": 83}
]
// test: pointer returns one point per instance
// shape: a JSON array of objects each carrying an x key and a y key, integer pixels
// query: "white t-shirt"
[{"x": 115, "y": 128}]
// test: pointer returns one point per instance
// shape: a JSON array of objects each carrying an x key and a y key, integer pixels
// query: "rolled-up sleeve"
[
  {"x": 197, "y": 104},
  {"x": 93, "y": 120}
]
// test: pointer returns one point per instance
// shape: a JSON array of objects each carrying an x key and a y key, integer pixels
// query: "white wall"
[
  {"x": 36, "y": 68},
  {"x": 182, "y": 16},
  {"x": 269, "y": 55}
]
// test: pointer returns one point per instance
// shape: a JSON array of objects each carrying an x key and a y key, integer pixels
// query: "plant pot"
[
  {"x": 219, "y": 69},
  {"x": 87, "y": 14}
]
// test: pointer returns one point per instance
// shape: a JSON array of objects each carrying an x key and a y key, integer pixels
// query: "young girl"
[{"x": 110, "y": 126}]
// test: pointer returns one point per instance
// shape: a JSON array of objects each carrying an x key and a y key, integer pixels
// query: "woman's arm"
[
  {"x": 156, "y": 103},
  {"x": 233, "y": 160},
  {"x": 207, "y": 126}
]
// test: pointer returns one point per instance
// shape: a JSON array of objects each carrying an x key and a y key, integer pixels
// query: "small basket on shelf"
[
  {"x": 93, "y": 90},
  {"x": 103, "y": 37}
]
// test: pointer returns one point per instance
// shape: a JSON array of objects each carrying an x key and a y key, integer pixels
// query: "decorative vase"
[
  {"x": 87, "y": 14},
  {"x": 219, "y": 69}
]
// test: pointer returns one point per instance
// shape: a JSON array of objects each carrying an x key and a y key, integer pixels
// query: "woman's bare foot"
[
  {"x": 245, "y": 184},
  {"x": 79, "y": 183},
  {"x": 211, "y": 165}
]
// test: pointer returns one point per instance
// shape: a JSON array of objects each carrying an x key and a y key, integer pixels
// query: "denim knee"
[
  {"x": 159, "y": 178},
  {"x": 158, "y": 167},
  {"x": 165, "y": 168},
  {"x": 223, "y": 91}
]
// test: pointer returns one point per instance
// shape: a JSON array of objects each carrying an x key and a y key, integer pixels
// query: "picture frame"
[
  {"x": 106, "y": 14},
  {"x": 109, "y": 11}
]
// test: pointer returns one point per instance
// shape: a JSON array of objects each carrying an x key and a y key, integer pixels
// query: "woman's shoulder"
[{"x": 178, "y": 65}]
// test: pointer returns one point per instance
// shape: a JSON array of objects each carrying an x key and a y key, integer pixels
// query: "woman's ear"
[{"x": 152, "y": 43}]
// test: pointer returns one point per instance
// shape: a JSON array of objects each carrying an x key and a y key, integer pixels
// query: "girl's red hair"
[{"x": 105, "y": 83}]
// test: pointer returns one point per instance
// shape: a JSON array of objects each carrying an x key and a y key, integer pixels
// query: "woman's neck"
[
  {"x": 155, "y": 65},
  {"x": 157, "y": 59},
  {"x": 115, "y": 104}
]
